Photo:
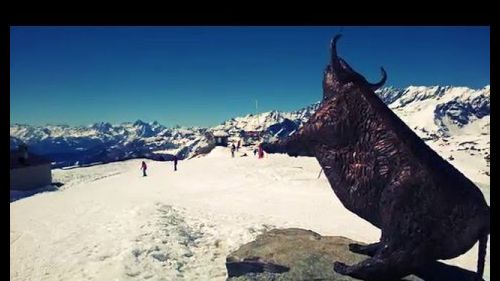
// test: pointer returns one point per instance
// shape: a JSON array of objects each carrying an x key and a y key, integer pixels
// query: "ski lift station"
[{"x": 221, "y": 138}]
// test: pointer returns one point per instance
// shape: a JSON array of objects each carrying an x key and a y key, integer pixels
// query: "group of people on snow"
[
  {"x": 234, "y": 148},
  {"x": 144, "y": 167},
  {"x": 258, "y": 149}
]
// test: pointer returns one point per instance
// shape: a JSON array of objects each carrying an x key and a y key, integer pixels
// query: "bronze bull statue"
[{"x": 384, "y": 173}]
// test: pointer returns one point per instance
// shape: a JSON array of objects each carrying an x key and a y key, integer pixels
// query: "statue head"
[{"x": 339, "y": 77}]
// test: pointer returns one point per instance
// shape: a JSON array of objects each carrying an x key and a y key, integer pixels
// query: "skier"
[
  {"x": 238, "y": 146},
  {"x": 143, "y": 168},
  {"x": 175, "y": 162},
  {"x": 254, "y": 151},
  {"x": 232, "y": 150}
]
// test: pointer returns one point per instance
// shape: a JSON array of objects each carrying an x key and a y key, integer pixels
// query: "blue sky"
[{"x": 201, "y": 76}]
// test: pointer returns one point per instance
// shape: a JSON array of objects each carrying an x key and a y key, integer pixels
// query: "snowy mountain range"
[
  {"x": 104, "y": 142},
  {"x": 454, "y": 121}
]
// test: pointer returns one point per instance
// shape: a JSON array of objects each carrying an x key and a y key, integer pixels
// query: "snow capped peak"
[
  {"x": 420, "y": 93},
  {"x": 139, "y": 122},
  {"x": 102, "y": 127},
  {"x": 98, "y": 124}
]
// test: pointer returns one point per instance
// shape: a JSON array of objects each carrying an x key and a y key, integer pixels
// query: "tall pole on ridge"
[
  {"x": 257, "y": 111},
  {"x": 257, "y": 115}
]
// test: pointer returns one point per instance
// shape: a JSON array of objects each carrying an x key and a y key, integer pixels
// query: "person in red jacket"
[
  {"x": 261, "y": 151},
  {"x": 144, "y": 167}
]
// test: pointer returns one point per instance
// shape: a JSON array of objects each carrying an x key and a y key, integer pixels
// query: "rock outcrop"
[{"x": 298, "y": 254}]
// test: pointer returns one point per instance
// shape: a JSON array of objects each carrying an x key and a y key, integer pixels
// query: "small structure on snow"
[
  {"x": 221, "y": 138},
  {"x": 28, "y": 170}
]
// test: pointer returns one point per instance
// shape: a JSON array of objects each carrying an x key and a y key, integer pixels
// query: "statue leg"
[
  {"x": 386, "y": 265},
  {"x": 404, "y": 245},
  {"x": 369, "y": 250}
]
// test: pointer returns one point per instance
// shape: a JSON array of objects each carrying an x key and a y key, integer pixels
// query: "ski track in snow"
[
  {"x": 109, "y": 223},
  {"x": 177, "y": 246}
]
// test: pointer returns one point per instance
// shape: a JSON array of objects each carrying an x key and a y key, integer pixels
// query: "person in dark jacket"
[
  {"x": 175, "y": 162},
  {"x": 233, "y": 148},
  {"x": 144, "y": 167}
]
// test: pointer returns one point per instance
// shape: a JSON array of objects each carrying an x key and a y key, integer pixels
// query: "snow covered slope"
[
  {"x": 110, "y": 223},
  {"x": 454, "y": 121}
]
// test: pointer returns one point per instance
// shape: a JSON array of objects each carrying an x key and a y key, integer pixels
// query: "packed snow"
[{"x": 107, "y": 222}]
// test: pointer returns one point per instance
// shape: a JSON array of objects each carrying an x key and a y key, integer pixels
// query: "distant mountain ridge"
[{"x": 445, "y": 117}]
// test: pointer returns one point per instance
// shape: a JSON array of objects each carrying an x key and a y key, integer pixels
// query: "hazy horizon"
[{"x": 193, "y": 126}]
